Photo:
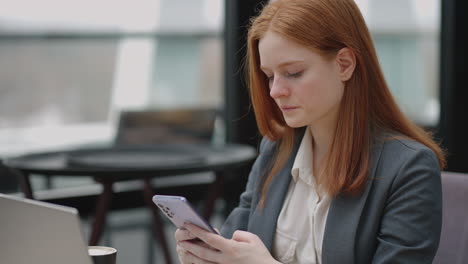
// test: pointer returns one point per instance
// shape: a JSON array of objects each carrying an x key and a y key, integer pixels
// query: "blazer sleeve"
[
  {"x": 411, "y": 224},
  {"x": 238, "y": 219}
]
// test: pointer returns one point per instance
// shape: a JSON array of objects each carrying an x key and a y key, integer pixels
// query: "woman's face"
[{"x": 306, "y": 86}]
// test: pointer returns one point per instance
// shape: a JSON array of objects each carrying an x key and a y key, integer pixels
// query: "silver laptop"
[{"x": 38, "y": 232}]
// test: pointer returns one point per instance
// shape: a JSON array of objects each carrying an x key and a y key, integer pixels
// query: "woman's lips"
[{"x": 288, "y": 108}]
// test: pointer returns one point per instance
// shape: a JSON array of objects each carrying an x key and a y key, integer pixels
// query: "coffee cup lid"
[{"x": 100, "y": 250}]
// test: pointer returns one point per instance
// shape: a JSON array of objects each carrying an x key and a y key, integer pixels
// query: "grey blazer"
[{"x": 396, "y": 219}]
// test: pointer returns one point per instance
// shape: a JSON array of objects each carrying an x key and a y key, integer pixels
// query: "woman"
[{"x": 342, "y": 175}]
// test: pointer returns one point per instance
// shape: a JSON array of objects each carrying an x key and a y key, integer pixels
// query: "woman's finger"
[
  {"x": 183, "y": 234},
  {"x": 181, "y": 253},
  {"x": 216, "y": 241},
  {"x": 201, "y": 251},
  {"x": 189, "y": 258},
  {"x": 243, "y": 236}
]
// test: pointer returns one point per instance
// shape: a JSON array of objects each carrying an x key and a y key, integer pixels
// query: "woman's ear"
[{"x": 346, "y": 61}]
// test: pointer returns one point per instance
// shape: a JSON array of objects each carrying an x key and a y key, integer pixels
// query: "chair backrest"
[
  {"x": 453, "y": 246},
  {"x": 165, "y": 126}
]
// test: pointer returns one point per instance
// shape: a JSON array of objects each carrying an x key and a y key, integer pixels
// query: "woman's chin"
[{"x": 295, "y": 124}]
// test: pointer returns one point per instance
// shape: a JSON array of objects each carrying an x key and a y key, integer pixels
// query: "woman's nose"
[{"x": 278, "y": 89}]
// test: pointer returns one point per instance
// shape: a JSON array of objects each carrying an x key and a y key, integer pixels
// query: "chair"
[
  {"x": 163, "y": 126},
  {"x": 190, "y": 125},
  {"x": 187, "y": 125},
  {"x": 453, "y": 246}
]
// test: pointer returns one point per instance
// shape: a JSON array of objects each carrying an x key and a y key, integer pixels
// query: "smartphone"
[{"x": 179, "y": 210}]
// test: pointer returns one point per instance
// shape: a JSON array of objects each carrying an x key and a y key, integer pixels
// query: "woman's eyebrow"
[{"x": 283, "y": 64}]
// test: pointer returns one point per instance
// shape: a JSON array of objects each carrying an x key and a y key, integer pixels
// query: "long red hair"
[{"x": 327, "y": 26}]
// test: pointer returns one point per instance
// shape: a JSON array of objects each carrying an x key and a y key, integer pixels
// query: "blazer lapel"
[
  {"x": 343, "y": 220},
  {"x": 263, "y": 221}
]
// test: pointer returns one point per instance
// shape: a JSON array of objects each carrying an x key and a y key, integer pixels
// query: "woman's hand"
[
  {"x": 182, "y": 235},
  {"x": 244, "y": 247}
]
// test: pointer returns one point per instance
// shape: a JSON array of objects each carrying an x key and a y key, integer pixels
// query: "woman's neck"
[{"x": 322, "y": 138}]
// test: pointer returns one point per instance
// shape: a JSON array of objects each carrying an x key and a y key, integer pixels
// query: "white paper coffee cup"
[{"x": 103, "y": 255}]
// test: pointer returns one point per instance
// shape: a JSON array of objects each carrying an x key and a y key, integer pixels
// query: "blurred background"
[{"x": 68, "y": 68}]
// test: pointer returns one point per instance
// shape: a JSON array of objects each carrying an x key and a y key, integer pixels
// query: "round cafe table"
[{"x": 111, "y": 164}]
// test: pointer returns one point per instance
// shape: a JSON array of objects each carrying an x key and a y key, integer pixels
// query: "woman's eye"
[{"x": 295, "y": 74}]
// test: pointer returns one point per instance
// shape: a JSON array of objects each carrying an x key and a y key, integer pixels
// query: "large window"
[
  {"x": 406, "y": 35},
  {"x": 68, "y": 67}
]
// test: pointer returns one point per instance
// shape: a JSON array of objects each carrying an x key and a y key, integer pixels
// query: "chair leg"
[
  {"x": 102, "y": 206},
  {"x": 158, "y": 224},
  {"x": 24, "y": 182},
  {"x": 150, "y": 246},
  {"x": 215, "y": 191}
]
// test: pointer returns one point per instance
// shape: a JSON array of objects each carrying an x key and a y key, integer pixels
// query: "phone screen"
[{"x": 180, "y": 211}]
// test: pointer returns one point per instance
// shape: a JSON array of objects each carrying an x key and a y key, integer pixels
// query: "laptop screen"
[{"x": 39, "y": 232}]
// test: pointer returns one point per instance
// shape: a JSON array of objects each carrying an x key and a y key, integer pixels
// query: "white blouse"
[{"x": 301, "y": 222}]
